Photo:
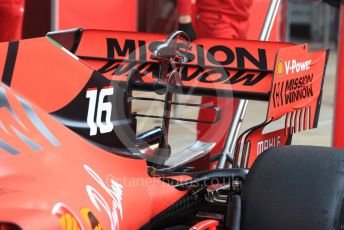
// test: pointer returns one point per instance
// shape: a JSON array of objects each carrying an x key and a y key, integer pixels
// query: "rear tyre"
[{"x": 295, "y": 187}]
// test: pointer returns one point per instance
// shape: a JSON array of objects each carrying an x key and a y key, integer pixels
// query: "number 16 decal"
[{"x": 94, "y": 118}]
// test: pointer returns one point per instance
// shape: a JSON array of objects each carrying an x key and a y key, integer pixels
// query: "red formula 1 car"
[{"x": 71, "y": 157}]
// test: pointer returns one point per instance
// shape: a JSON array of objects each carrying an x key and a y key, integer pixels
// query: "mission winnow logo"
[{"x": 294, "y": 88}]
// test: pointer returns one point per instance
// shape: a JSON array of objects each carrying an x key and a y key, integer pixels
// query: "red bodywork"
[
  {"x": 52, "y": 178},
  {"x": 71, "y": 172},
  {"x": 339, "y": 111}
]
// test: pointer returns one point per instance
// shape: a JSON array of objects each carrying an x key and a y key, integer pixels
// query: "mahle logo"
[{"x": 293, "y": 66}]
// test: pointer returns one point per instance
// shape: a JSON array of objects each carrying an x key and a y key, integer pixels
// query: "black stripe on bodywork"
[{"x": 10, "y": 62}]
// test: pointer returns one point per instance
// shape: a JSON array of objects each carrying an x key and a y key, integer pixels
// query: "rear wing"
[
  {"x": 216, "y": 67},
  {"x": 286, "y": 75}
]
